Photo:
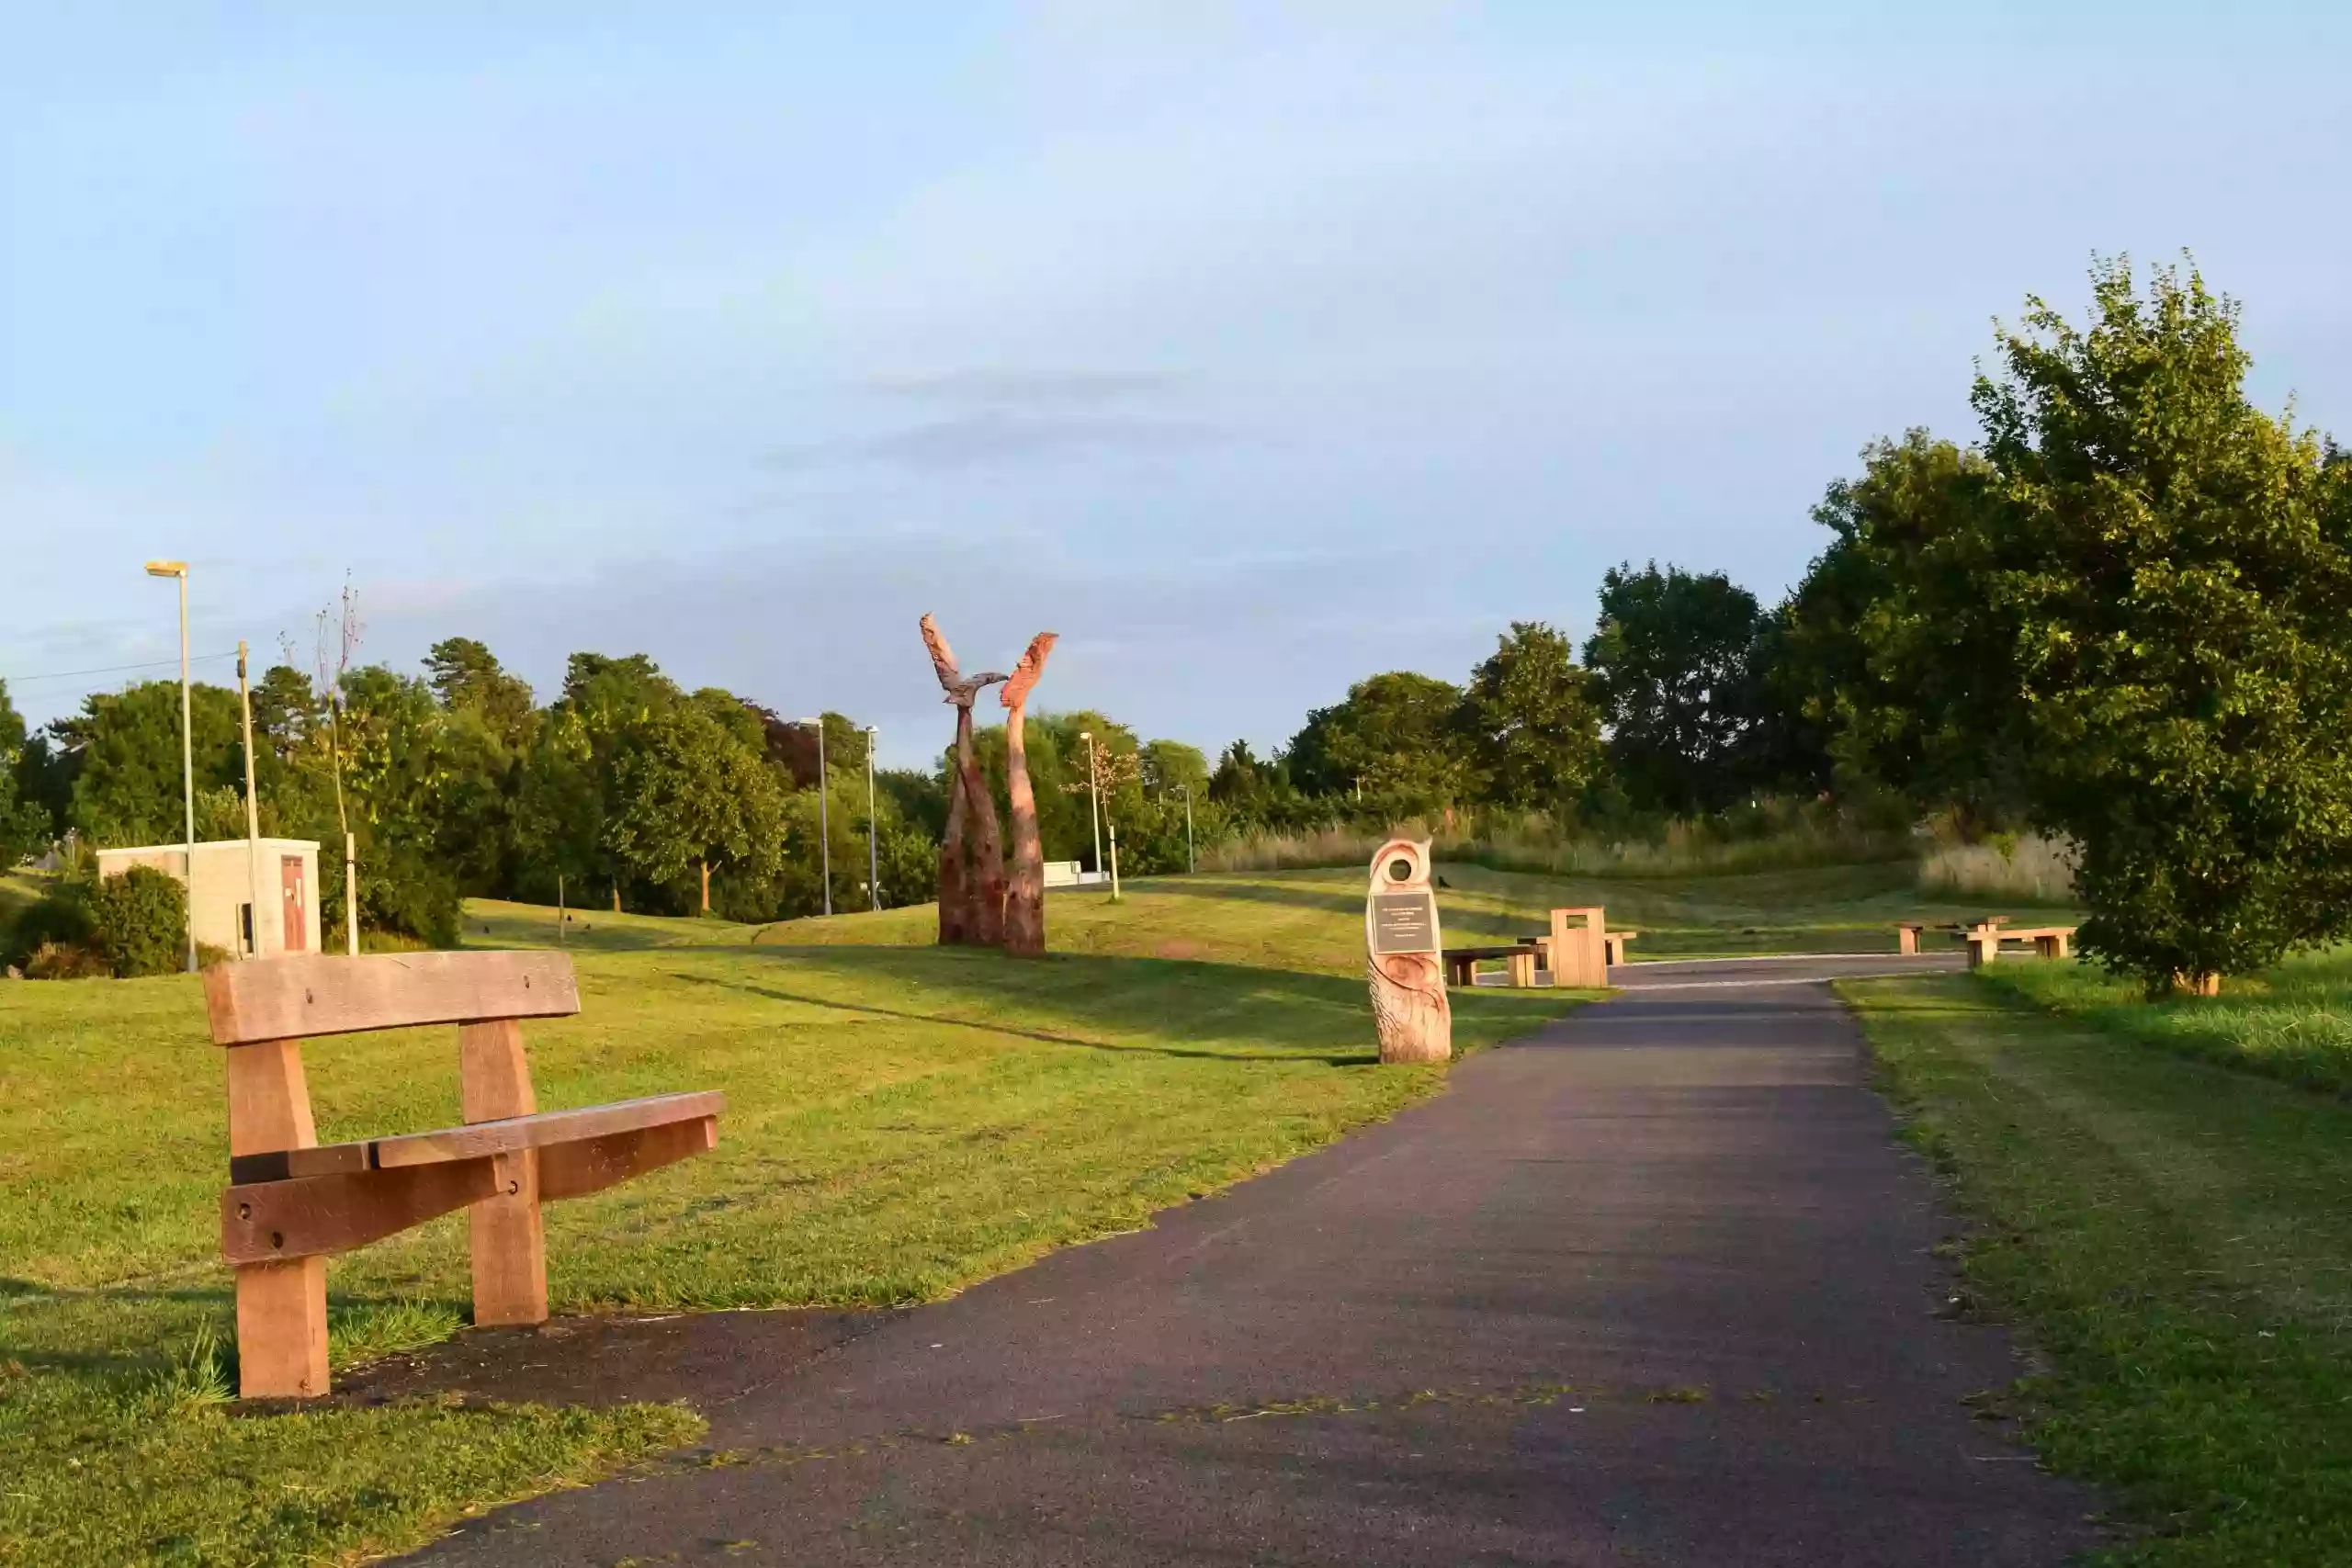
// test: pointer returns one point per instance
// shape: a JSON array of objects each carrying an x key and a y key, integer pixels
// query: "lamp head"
[
  {"x": 817, "y": 722},
  {"x": 167, "y": 569}
]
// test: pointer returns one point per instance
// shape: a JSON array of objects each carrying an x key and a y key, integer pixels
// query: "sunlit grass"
[
  {"x": 902, "y": 1121},
  {"x": 2293, "y": 1021},
  {"x": 2173, "y": 1239}
]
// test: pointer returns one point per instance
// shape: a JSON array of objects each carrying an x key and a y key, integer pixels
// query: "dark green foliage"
[
  {"x": 24, "y": 824},
  {"x": 1885, "y": 646},
  {"x": 1533, "y": 722},
  {"x": 2170, "y": 584},
  {"x": 919, "y": 799},
  {"x": 465, "y": 675},
  {"x": 126, "y": 787},
  {"x": 139, "y": 921},
  {"x": 1396, "y": 743},
  {"x": 60, "y": 919},
  {"x": 1674, "y": 667}
]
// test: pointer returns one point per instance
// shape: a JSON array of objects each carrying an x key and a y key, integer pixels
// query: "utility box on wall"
[{"x": 221, "y": 899}]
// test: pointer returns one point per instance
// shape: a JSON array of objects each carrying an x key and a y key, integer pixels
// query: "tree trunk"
[
  {"x": 955, "y": 914},
  {"x": 1024, "y": 904},
  {"x": 706, "y": 887},
  {"x": 984, "y": 889},
  {"x": 616, "y": 898}
]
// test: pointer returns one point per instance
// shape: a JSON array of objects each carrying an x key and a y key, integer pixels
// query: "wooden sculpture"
[
  {"x": 1024, "y": 904},
  {"x": 971, "y": 856},
  {"x": 1406, "y": 956}
]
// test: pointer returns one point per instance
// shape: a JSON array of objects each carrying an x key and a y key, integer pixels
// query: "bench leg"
[
  {"x": 510, "y": 1249},
  {"x": 1907, "y": 941},
  {"x": 282, "y": 1329},
  {"x": 1523, "y": 969}
]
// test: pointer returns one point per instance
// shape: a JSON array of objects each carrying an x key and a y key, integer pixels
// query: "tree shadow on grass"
[{"x": 990, "y": 1026}]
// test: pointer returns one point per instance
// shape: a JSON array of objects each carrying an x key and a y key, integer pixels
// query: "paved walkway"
[{"x": 1653, "y": 1287}]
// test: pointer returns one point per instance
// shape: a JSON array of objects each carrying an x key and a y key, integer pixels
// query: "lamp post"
[
  {"x": 1191, "y": 863},
  {"x": 873, "y": 854},
  {"x": 824, "y": 828},
  {"x": 187, "y": 748},
  {"x": 253, "y": 814},
  {"x": 1094, "y": 795}
]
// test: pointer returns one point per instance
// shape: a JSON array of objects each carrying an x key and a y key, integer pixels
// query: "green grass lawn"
[
  {"x": 2173, "y": 1237},
  {"x": 1314, "y": 919},
  {"x": 902, "y": 1121},
  {"x": 2290, "y": 1022}
]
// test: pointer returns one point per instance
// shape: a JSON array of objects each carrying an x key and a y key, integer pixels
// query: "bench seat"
[{"x": 476, "y": 1139}]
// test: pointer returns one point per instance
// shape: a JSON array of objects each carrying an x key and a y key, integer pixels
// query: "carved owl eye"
[{"x": 1401, "y": 870}]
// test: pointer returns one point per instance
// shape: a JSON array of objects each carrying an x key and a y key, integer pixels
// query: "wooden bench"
[
  {"x": 1461, "y": 963},
  {"x": 1985, "y": 940},
  {"x": 290, "y": 1202},
  {"x": 1613, "y": 946}
]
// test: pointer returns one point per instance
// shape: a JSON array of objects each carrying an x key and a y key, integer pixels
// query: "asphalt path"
[{"x": 1655, "y": 1286}]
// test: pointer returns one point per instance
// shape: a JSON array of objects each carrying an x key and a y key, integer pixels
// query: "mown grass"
[
  {"x": 2290, "y": 1022},
  {"x": 2175, "y": 1239},
  {"x": 901, "y": 1121},
  {"x": 1314, "y": 919}
]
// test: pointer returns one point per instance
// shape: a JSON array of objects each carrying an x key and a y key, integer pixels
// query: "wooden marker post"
[
  {"x": 1406, "y": 956},
  {"x": 1580, "y": 951}
]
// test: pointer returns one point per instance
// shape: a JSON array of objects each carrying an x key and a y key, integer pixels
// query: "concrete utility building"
[{"x": 220, "y": 903}]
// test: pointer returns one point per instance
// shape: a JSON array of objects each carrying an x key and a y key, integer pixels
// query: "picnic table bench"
[
  {"x": 291, "y": 1202},
  {"x": 1612, "y": 945},
  {"x": 1983, "y": 938},
  {"x": 1461, "y": 963}
]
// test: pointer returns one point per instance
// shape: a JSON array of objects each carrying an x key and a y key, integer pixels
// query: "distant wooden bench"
[
  {"x": 1612, "y": 945},
  {"x": 1461, "y": 963},
  {"x": 290, "y": 1202},
  {"x": 1985, "y": 940}
]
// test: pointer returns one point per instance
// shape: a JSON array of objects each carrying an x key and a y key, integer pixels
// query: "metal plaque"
[{"x": 1404, "y": 923}]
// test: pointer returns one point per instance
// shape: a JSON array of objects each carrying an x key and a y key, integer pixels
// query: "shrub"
[
  {"x": 61, "y": 916},
  {"x": 67, "y": 960},
  {"x": 139, "y": 921}
]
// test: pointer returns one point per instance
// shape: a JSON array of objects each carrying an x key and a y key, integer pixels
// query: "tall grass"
[
  {"x": 2030, "y": 867},
  {"x": 2291, "y": 1021},
  {"x": 1768, "y": 836}
]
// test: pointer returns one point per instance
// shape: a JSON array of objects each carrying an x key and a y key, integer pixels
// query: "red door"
[{"x": 296, "y": 901}]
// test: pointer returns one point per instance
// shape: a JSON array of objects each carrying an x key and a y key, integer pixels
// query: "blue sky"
[{"x": 1252, "y": 347}]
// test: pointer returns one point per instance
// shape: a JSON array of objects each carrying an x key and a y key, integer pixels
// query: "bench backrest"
[
  {"x": 298, "y": 998},
  {"x": 264, "y": 1009}
]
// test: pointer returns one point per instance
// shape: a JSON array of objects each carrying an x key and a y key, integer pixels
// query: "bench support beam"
[
  {"x": 270, "y": 1222},
  {"x": 510, "y": 1249},
  {"x": 575, "y": 1170}
]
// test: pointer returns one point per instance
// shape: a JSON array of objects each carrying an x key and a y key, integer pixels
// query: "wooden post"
[
  {"x": 971, "y": 859},
  {"x": 1522, "y": 967},
  {"x": 1405, "y": 957},
  {"x": 1907, "y": 939},
  {"x": 509, "y": 1245},
  {"x": 281, "y": 1307},
  {"x": 1579, "y": 953},
  {"x": 1024, "y": 903}
]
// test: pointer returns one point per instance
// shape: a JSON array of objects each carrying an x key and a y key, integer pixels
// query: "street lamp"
[
  {"x": 1094, "y": 795},
  {"x": 1191, "y": 865},
  {"x": 872, "y": 855},
  {"x": 187, "y": 747},
  {"x": 824, "y": 829}
]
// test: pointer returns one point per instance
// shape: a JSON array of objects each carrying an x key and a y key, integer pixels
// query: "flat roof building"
[{"x": 220, "y": 903}]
